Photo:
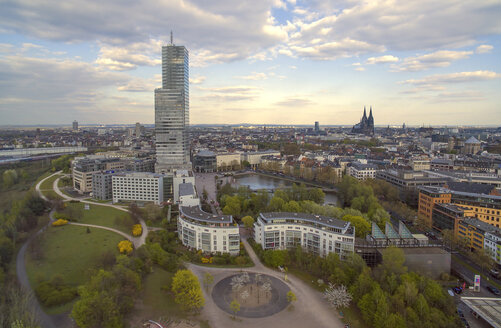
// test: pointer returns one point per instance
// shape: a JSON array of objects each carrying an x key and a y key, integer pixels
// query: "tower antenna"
[{"x": 171, "y": 38}]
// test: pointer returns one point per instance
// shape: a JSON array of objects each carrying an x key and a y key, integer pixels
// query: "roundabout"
[{"x": 259, "y": 295}]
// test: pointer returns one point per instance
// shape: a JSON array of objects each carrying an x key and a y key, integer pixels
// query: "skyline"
[{"x": 280, "y": 62}]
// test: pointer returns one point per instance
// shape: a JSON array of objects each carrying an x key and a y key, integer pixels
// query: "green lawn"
[
  {"x": 47, "y": 187},
  {"x": 71, "y": 252},
  {"x": 104, "y": 216},
  {"x": 156, "y": 302}
]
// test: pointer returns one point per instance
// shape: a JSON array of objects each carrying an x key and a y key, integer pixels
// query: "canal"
[{"x": 256, "y": 182}]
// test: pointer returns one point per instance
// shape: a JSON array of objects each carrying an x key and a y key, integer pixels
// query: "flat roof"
[
  {"x": 196, "y": 213},
  {"x": 186, "y": 189},
  {"x": 325, "y": 220},
  {"x": 487, "y": 308}
]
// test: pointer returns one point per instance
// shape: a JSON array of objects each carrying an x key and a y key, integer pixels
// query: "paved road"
[{"x": 310, "y": 310}]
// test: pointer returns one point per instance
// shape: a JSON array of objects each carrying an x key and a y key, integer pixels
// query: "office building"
[
  {"x": 138, "y": 186},
  {"x": 317, "y": 127},
  {"x": 75, "y": 125},
  {"x": 172, "y": 111},
  {"x": 102, "y": 185},
  {"x": 315, "y": 233},
  {"x": 362, "y": 171}
]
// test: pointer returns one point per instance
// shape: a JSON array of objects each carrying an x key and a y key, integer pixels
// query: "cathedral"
[{"x": 366, "y": 125}]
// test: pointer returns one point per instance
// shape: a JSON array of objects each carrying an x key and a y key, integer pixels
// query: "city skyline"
[{"x": 280, "y": 62}]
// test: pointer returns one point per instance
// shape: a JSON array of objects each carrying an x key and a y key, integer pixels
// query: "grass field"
[
  {"x": 71, "y": 252},
  {"x": 104, "y": 216},
  {"x": 47, "y": 187},
  {"x": 156, "y": 302}
]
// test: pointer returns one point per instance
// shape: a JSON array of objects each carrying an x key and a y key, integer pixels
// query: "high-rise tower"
[{"x": 172, "y": 111}]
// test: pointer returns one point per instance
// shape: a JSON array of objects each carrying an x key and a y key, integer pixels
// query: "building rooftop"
[
  {"x": 476, "y": 188},
  {"x": 320, "y": 219},
  {"x": 472, "y": 140},
  {"x": 487, "y": 308},
  {"x": 186, "y": 189},
  {"x": 196, "y": 213},
  {"x": 206, "y": 153},
  {"x": 484, "y": 226},
  {"x": 139, "y": 175},
  {"x": 451, "y": 207}
]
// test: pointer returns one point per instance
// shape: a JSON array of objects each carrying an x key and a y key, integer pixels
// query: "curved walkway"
[
  {"x": 37, "y": 187},
  {"x": 310, "y": 309},
  {"x": 138, "y": 241}
]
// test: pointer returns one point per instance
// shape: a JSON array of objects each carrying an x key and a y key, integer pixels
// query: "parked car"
[
  {"x": 493, "y": 290},
  {"x": 494, "y": 273},
  {"x": 458, "y": 290}
]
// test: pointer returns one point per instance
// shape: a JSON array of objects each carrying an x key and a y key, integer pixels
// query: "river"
[{"x": 257, "y": 181}]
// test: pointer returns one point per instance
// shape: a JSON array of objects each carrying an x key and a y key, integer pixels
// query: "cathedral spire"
[{"x": 365, "y": 113}]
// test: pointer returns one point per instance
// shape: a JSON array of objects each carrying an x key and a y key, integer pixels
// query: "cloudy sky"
[{"x": 254, "y": 61}]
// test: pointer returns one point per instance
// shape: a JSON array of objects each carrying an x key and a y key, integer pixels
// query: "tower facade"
[
  {"x": 366, "y": 125},
  {"x": 172, "y": 111}
]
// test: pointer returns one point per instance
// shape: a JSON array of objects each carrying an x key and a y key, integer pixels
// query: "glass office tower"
[{"x": 172, "y": 111}]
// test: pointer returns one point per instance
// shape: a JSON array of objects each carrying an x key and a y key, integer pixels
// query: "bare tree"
[{"x": 337, "y": 296}]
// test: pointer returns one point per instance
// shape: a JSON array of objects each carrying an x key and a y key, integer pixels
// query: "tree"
[
  {"x": 235, "y": 307},
  {"x": 337, "y": 297},
  {"x": 232, "y": 206},
  {"x": 9, "y": 178},
  {"x": 208, "y": 280},
  {"x": 276, "y": 258},
  {"x": 187, "y": 291},
  {"x": 362, "y": 226},
  {"x": 248, "y": 221},
  {"x": 291, "y": 297}
]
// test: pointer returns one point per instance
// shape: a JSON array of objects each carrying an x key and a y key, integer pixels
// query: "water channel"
[{"x": 256, "y": 182}]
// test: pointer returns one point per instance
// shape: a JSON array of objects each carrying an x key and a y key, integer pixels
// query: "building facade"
[
  {"x": 366, "y": 125},
  {"x": 172, "y": 111},
  {"x": 320, "y": 235},
  {"x": 138, "y": 186},
  {"x": 362, "y": 171},
  {"x": 102, "y": 187},
  {"x": 207, "y": 232}
]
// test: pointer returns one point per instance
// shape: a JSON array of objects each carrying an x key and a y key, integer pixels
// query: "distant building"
[
  {"x": 366, "y": 125},
  {"x": 138, "y": 130},
  {"x": 317, "y": 127},
  {"x": 205, "y": 162},
  {"x": 472, "y": 146},
  {"x": 362, "y": 171},
  {"x": 75, "y": 125}
]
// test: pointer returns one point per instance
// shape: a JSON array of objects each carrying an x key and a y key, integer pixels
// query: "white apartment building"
[
  {"x": 180, "y": 177},
  {"x": 492, "y": 244},
  {"x": 207, "y": 232},
  {"x": 362, "y": 171},
  {"x": 138, "y": 186},
  {"x": 318, "y": 234}
]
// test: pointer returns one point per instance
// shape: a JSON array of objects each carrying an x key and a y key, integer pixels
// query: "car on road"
[
  {"x": 493, "y": 290},
  {"x": 494, "y": 273},
  {"x": 458, "y": 290}
]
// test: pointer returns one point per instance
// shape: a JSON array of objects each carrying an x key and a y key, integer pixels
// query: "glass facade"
[{"x": 172, "y": 111}]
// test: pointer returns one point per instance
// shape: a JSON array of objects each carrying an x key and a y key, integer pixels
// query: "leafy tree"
[
  {"x": 96, "y": 309},
  {"x": 276, "y": 258},
  {"x": 248, "y": 221},
  {"x": 235, "y": 307},
  {"x": 232, "y": 206},
  {"x": 276, "y": 204},
  {"x": 362, "y": 226},
  {"x": 187, "y": 291},
  {"x": 9, "y": 178},
  {"x": 208, "y": 280},
  {"x": 291, "y": 206},
  {"x": 291, "y": 297}
]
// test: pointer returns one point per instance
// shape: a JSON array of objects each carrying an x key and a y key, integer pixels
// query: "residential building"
[
  {"x": 318, "y": 234},
  {"x": 208, "y": 232},
  {"x": 180, "y": 177},
  {"x": 428, "y": 197},
  {"x": 362, "y": 171},
  {"x": 492, "y": 244},
  {"x": 172, "y": 111},
  {"x": 420, "y": 164},
  {"x": 83, "y": 168},
  {"x": 474, "y": 230},
  {"x": 138, "y": 186}
]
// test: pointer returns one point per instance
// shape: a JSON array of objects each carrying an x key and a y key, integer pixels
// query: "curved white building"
[
  {"x": 315, "y": 233},
  {"x": 208, "y": 232}
]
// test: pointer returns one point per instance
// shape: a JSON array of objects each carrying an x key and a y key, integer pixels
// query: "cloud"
[
  {"x": 228, "y": 93},
  {"x": 381, "y": 60},
  {"x": 124, "y": 58},
  {"x": 461, "y": 77},
  {"x": 294, "y": 102},
  {"x": 219, "y": 29},
  {"x": 255, "y": 76},
  {"x": 484, "y": 48},
  {"x": 333, "y": 50},
  {"x": 442, "y": 58},
  {"x": 43, "y": 90},
  {"x": 197, "y": 79},
  {"x": 392, "y": 25}
]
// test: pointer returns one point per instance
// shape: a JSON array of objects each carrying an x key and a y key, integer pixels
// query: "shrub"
[
  {"x": 137, "y": 230},
  {"x": 55, "y": 292},
  {"x": 62, "y": 216},
  {"x": 59, "y": 222},
  {"x": 125, "y": 247}
]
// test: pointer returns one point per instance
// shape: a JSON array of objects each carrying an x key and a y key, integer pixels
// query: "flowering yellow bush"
[
  {"x": 125, "y": 247},
  {"x": 59, "y": 222},
  {"x": 137, "y": 230}
]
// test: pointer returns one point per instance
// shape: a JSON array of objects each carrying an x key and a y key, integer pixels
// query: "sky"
[{"x": 424, "y": 62}]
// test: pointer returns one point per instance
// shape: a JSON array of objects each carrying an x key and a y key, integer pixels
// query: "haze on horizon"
[{"x": 262, "y": 62}]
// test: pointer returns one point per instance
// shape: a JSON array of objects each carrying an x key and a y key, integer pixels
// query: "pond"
[{"x": 257, "y": 182}]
